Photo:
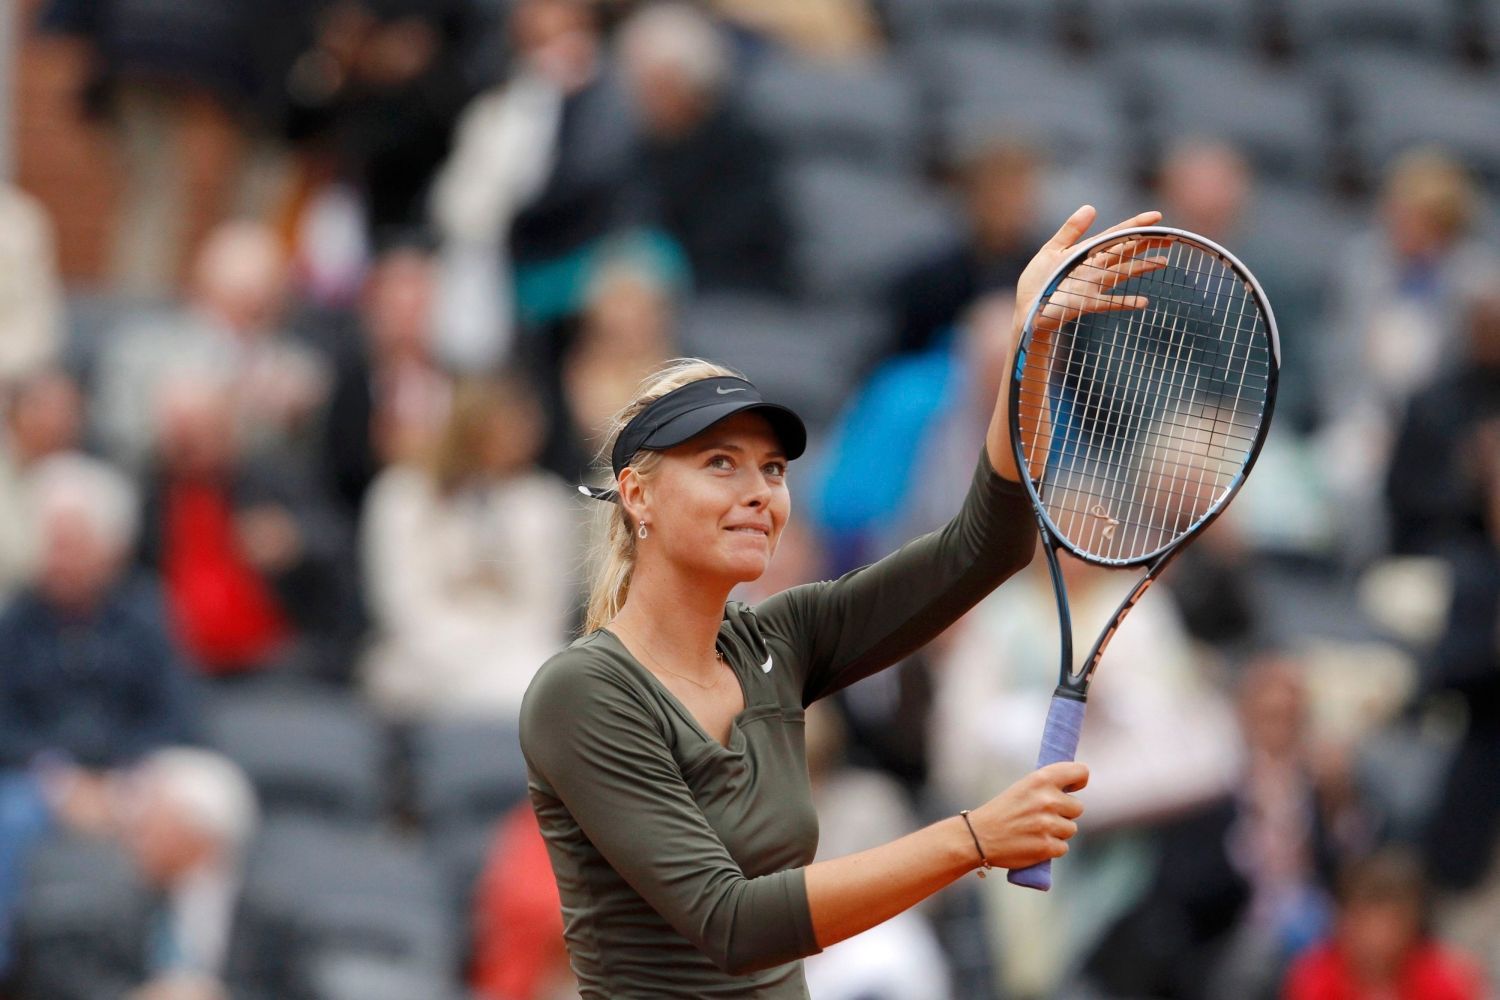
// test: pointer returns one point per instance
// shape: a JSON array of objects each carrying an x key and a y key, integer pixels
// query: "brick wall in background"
[{"x": 71, "y": 163}]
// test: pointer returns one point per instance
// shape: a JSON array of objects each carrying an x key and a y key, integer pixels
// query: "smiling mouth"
[{"x": 751, "y": 531}]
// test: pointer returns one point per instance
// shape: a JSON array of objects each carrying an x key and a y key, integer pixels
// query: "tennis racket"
[{"x": 1140, "y": 398}]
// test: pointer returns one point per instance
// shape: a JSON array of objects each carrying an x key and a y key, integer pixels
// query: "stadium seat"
[
  {"x": 1225, "y": 24},
  {"x": 999, "y": 19},
  {"x": 466, "y": 771},
  {"x": 307, "y": 751},
  {"x": 1278, "y": 116},
  {"x": 1063, "y": 104},
  {"x": 314, "y": 890},
  {"x": 1065, "y": 187},
  {"x": 1395, "y": 103},
  {"x": 855, "y": 228},
  {"x": 82, "y": 914},
  {"x": 1414, "y": 25},
  {"x": 355, "y": 976},
  {"x": 1487, "y": 24},
  {"x": 809, "y": 357},
  {"x": 466, "y": 776},
  {"x": 864, "y": 113}
]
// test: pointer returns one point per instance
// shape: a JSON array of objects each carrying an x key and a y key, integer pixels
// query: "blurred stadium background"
[{"x": 310, "y": 310}]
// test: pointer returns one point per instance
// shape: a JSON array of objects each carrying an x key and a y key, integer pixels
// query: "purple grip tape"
[{"x": 1059, "y": 743}]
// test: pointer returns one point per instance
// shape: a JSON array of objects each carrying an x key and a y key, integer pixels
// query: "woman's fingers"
[
  {"x": 1078, "y": 223},
  {"x": 1150, "y": 218},
  {"x": 1121, "y": 273}
]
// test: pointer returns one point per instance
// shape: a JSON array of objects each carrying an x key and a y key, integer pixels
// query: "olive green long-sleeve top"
[{"x": 680, "y": 860}]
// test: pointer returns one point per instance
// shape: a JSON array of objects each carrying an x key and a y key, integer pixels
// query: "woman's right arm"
[{"x": 1030, "y": 821}]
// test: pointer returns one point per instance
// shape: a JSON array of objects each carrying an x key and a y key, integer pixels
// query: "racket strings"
[{"x": 1153, "y": 412}]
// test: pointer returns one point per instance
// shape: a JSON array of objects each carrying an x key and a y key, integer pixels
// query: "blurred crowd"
[{"x": 289, "y": 520}]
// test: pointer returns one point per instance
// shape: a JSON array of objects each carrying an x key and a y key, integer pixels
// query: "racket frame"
[{"x": 1073, "y": 684}]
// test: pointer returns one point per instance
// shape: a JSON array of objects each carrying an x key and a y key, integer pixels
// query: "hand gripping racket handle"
[{"x": 1059, "y": 743}]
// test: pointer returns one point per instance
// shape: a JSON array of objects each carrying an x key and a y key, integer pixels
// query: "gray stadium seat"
[
  {"x": 467, "y": 775},
  {"x": 1226, "y": 24},
  {"x": 1063, "y": 104},
  {"x": 356, "y": 976},
  {"x": 856, "y": 228},
  {"x": 1278, "y": 116},
  {"x": 1396, "y": 103},
  {"x": 466, "y": 771},
  {"x": 314, "y": 890},
  {"x": 1414, "y": 25},
  {"x": 307, "y": 751},
  {"x": 1002, "y": 19},
  {"x": 1487, "y": 25},
  {"x": 1066, "y": 187},
  {"x": 863, "y": 113},
  {"x": 81, "y": 915},
  {"x": 807, "y": 356}
]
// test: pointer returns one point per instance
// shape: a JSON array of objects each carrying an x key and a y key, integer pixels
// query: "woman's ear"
[{"x": 633, "y": 495}]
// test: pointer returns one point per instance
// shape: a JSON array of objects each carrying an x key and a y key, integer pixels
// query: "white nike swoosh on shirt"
[
  {"x": 724, "y": 392},
  {"x": 765, "y": 668}
]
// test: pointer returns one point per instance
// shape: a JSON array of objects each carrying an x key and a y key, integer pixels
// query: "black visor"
[{"x": 692, "y": 409}]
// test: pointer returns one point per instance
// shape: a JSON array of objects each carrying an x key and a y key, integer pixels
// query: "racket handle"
[{"x": 1059, "y": 743}]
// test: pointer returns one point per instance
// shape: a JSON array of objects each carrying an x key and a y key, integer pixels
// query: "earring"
[{"x": 641, "y": 531}]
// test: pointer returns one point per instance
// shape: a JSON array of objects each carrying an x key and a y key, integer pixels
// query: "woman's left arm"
[{"x": 844, "y": 630}]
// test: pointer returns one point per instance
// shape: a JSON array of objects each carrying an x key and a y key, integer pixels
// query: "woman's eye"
[
  {"x": 720, "y": 462},
  {"x": 776, "y": 469}
]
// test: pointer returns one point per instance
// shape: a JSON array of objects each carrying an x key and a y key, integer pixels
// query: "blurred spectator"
[
  {"x": 1382, "y": 946},
  {"x": 468, "y": 562},
  {"x": 158, "y": 70},
  {"x": 1396, "y": 321},
  {"x": 249, "y": 556},
  {"x": 230, "y": 327},
  {"x": 1464, "y": 831},
  {"x": 711, "y": 174},
  {"x": 30, "y": 294},
  {"x": 379, "y": 91},
  {"x": 825, "y": 29},
  {"x": 91, "y": 673},
  {"x": 390, "y": 396},
  {"x": 1436, "y": 483},
  {"x": 979, "y": 361},
  {"x": 1238, "y": 887},
  {"x": 858, "y": 809},
  {"x": 189, "y": 822},
  {"x": 43, "y": 417},
  {"x": 91, "y": 679},
  {"x": 1205, "y": 186},
  {"x": 187, "y": 817},
  {"x": 1158, "y": 740},
  {"x": 518, "y": 931},
  {"x": 626, "y": 333},
  {"x": 1000, "y": 184},
  {"x": 540, "y": 165}
]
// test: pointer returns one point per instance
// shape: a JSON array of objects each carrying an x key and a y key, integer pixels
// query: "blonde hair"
[{"x": 613, "y": 550}]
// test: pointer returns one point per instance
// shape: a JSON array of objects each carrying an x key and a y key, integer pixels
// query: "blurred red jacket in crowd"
[
  {"x": 518, "y": 949},
  {"x": 1430, "y": 972}
]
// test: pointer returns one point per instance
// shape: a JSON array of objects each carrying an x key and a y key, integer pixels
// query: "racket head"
[{"x": 1157, "y": 414}]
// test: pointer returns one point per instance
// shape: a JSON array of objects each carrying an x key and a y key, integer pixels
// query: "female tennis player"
[{"x": 665, "y": 746}]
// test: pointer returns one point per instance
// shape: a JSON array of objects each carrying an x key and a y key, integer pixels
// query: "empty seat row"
[
  {"x": 1300, "y": 123},
  {"x": 1306, "y": 26}
]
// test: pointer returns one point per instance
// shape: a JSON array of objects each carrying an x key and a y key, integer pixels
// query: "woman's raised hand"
[
  {"x": 1085, "y": 290},
  {"x": 1034, "y": 818}
]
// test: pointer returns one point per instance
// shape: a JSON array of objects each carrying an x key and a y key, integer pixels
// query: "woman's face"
[{"x": 717, "y": 503}]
